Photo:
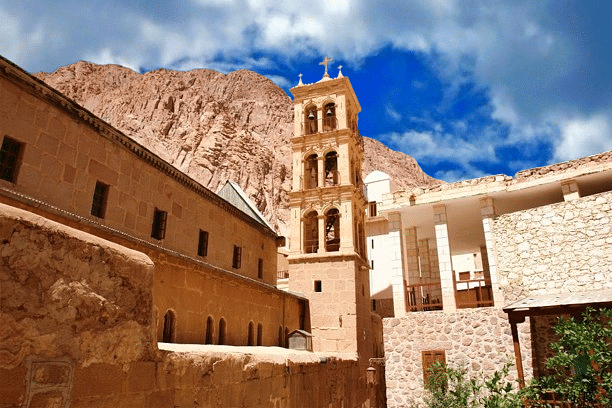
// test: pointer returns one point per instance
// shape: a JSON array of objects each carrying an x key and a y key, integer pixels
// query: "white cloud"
[
  {"x": 584, "y": 136},
  {"x": 281, "y": 81},
  {"x": 395, "y": 115}
]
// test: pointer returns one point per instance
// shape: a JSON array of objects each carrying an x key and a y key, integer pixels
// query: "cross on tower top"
[{"x": 325, "y": 62}]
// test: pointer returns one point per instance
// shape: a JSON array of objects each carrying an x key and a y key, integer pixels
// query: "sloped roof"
[{"x": 232, "y": 193}]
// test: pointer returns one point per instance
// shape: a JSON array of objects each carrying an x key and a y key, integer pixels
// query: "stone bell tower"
[{"x": 327, "y": 260}]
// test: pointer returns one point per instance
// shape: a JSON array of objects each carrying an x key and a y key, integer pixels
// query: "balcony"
[
  {"x": 473, "y": 293},
  {"x": 423, "y": 297},
  {"x": 282, "y": 275}
]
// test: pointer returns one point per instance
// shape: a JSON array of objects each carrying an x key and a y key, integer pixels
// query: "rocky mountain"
[{"x": 213, "y": 127}]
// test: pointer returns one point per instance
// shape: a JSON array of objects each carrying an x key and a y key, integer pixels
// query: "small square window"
[
  {"x": 260, "y": 268},
  {"x": 98, "y": 204},
  {"x": 203, "y": 243},
  {"x": 318, "y": 287},
  {"x": 158, "y": 230},
  {"x": 237, "y": 259},
  {"x": 10, "y": 158}
]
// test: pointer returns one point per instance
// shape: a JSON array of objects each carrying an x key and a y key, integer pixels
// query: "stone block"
[
  {"x": 141, "y": 377},
  {"x": 98, "y": 379}
]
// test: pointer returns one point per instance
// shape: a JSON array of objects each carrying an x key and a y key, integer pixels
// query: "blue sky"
[{"x": 468, "y": 88}]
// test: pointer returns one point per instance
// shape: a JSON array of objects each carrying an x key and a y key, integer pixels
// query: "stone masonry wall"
[
  {"x": 563, "y": 247},
  {"x": 78, "y": 331},
  {"x": 479, "y": 339}
]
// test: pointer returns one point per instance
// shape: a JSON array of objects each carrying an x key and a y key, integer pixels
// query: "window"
[
  {"x": 373, "y": 305},
  {"x": 259, "y": 334},
  {"x": 221, "y": 332},
  {"x": 169, "y": 322},
  {"x": 372, "y": 264},
  {"x": 318, "y": 287},
  {"x": 260, "y": 268},
  {"x": 237, "y": 259},
  {"x": 250, "y": 335},
  {"x": 429, "y": 357},
  {"x": 203, "y": 243},
  {"x": 209, "y": 330},
  {"x": 10, "y": 156},
  {"x": 372, "y": 209},
  {"x": 158, "y": 231},
  {"x": 372, "y": 243},
  {"x": 98, "y": 204}
]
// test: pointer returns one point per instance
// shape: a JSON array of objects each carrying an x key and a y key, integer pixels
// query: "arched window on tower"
[
  {"x": 311, "y": 171},
  {"x": 311, "y": 123},
  {"x": 332, "y": 230},
  {"x": 331, "y": 169},
  {"x": 169, "y": 323},
  {"x": 311, "y": 233},
  {"x": 329, "y": 118},
  {"x": 259, "y": 334}
]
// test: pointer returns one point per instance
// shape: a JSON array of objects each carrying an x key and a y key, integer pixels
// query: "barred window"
[{"x": 237, "y": 259}]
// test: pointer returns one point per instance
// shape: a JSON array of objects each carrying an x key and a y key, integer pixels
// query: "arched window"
[
  {"x": 259, "y": 334},
  {"x": 286, "y": 337},
  {"x": 331, "y": 169},
  {"x": 311, "y": 171},
  {"x": 169, "y": 323},
  {"x": 250, "y": 335},
  {"x": 221, "y": 331},
  {"x": 332, "y": 230},
  {"x": 311, "y": 124},
  {"x": 209, "y": 330},
  {"x": 329, "y": 118},
  {"x": 311, "y": 233}
]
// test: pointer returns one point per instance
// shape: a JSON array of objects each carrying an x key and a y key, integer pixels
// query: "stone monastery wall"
[
  {"x": 480, "y": 339},
  {"x": 78, "y": 331},
  {"x": 67, "y": 150},
  {"x": 563, "y": 247}
]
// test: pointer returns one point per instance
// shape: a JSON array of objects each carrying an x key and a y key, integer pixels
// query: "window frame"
[
  {"x": 10, "y": 161},
  {"x": 429, "y": 357},
  {"x": 160, "y": 220},
  {"x": 237, "y": 257},
  {"x": 99, "y": 200},
  {"x": 203, "y": 243}
]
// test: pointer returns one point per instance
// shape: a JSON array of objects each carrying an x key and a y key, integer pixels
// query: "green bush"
[
  {"x": 581, "y": 369},
  {"x": 450, "y": 387}
]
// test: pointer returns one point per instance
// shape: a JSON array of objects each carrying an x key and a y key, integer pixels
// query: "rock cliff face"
[{"x": 213, "y": 127}]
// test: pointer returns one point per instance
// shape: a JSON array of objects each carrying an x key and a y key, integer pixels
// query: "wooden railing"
[
  {"x": 282, "y": 275},
  {"x": 423, "y": 297},
  {"x": 473, "y": 293}
]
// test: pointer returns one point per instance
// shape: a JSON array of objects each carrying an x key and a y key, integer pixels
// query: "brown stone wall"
[
  {"x": 67, "y": 151},
  {"x": 340, "y": 315},
  {"x": 78, "y": 331},
  {"x": 563, "y": 247},
  {"x": 196, "y": 292},
  {"x": 480, "y": 339}
]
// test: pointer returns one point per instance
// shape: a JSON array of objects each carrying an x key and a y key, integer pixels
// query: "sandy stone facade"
[
  {"x": 497, "y": 240},
  {"x": 544, "y": 250},
  {"x": 107, "y": 250},
  {"x": 79, "y": 332}
]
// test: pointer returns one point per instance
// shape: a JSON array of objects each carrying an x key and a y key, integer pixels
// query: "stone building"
[
  {"x": 107, "y": 250},
  {"x": 478, "y": 270}
]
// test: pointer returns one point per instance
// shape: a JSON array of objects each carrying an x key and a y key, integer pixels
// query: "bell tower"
[{"x": 327, "y": 259}]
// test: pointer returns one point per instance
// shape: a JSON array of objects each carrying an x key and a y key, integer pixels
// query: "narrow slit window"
[
  {"x": 260, "y": 268},
  {"x": 158, "y": 230},
  {"x": 10, "y": 158},
  {"x": 237, "y": 259},
  {"x": 203, "y": 243},
  {"x": 100, "y": 197},
  {"x": 318, "y": 287}
]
